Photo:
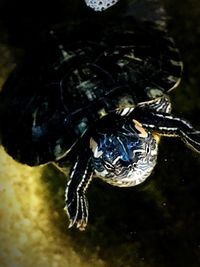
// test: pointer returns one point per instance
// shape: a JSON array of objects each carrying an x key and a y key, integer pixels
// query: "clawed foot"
[{"x": 77, "y": 210}]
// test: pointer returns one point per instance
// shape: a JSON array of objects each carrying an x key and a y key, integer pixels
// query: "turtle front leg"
[
  {"x": 76, "y": 202},
  {"x": 168, "y": 125}
]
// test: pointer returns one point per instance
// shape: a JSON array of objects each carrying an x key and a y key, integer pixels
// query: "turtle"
[{"x": 95, "y": 92}]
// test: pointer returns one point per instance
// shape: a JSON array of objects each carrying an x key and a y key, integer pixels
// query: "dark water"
[{"x": 156, "y": 224}]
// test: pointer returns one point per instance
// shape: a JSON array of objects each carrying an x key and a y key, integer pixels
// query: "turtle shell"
[{"x": 77, "y": 74}]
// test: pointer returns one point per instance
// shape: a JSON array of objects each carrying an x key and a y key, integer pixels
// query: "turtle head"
[{"x": 123, "y": 153}]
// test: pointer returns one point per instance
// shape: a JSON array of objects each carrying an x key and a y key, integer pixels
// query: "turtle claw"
[
  {"x": 77, "y": 211},
  {"x": 81, "y": 225}
]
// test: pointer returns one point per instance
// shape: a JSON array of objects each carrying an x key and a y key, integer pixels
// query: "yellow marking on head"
[
  {"x": 156, "y": 137},
  {"x": 94, "y": 148},
  {"x": 139, "y": 127}
]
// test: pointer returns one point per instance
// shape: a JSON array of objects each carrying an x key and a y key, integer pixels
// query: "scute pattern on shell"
[{"x": 100, "y": 5}]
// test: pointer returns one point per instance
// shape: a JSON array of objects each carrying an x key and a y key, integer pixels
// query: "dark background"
[{"x": 156, "y": 224}]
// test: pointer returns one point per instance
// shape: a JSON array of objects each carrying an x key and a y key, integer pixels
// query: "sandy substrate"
[{"x": 28, "y": 238}]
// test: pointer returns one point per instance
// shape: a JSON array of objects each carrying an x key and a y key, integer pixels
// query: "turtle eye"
[{"x": 147, "y": 149}]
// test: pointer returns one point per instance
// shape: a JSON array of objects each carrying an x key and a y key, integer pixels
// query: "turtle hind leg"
[
  {"x": 165, "y": 124},
  {"x": 178, "y": 127},
  {"x": 76, "y": 202}
]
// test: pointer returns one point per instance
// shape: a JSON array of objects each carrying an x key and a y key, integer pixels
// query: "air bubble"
[{"x": 100, "y": 5}]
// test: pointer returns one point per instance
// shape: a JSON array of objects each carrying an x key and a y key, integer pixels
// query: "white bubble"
[{"x": 100, "y": 5}]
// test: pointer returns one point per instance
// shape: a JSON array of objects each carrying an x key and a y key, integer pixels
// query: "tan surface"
[{"x": 28, "y": 237}]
